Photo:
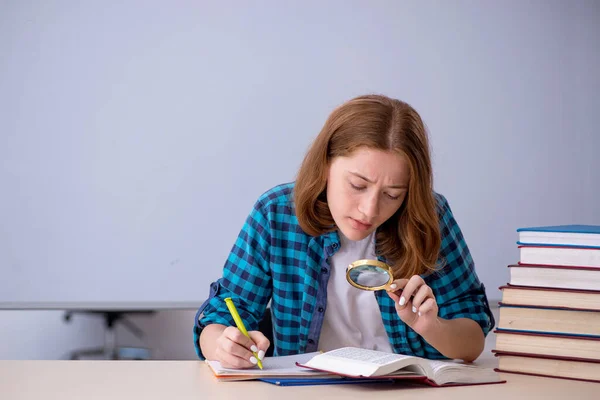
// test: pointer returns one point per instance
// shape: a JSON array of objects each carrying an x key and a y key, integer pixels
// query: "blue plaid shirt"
[{"x": 273, "y": 259}]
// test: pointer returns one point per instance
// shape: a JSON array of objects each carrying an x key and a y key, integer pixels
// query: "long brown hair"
[{"x": 410, "y": 239}]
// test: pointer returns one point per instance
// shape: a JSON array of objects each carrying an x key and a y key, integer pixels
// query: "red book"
[
  {"x": 547, "y": 344},
  {"x": 561, "y": 277},
  {"x": 553, "y": 367},
  {"x": 565, "y": 321},
  {"x": 551, "y": 297},
  {"x": 560, "y": 255},
  {"x": 360, "y": 363}
]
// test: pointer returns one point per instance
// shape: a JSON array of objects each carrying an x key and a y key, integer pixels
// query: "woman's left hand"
[{"x": 415, "y": 303}]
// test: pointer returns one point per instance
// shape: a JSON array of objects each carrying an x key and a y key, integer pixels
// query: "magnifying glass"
[{"x": 369, "y": 275}]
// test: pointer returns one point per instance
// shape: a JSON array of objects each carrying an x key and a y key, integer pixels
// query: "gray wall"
[{"x": 124, "y": 127}]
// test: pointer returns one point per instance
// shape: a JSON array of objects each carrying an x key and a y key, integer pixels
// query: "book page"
[
  {"x": 458, "y": 372},
  {"x": 438, "y": 365},
  {"x": 365, "y": 355},
  {"x": 273, "y": 366},
  {"x": 352, "y": 361}
]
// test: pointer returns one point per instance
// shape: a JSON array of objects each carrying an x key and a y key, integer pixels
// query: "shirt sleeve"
[
  {"x": 457, "y": 289},
  {"x": 246, "y": 279}
]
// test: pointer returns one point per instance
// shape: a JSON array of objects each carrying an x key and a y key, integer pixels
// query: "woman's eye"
[
  {"x": 393, "y": 197},
  {"x": 359, "y": 188}
]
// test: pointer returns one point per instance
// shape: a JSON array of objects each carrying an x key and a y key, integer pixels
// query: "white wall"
[
  {"x": 528, "y": 113},
  {"x": 44, "y": 335},
  {"x": 509, "y": 91}
]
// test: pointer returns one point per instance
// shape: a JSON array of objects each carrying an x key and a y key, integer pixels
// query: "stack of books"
[{"x": 549, "y": 321}]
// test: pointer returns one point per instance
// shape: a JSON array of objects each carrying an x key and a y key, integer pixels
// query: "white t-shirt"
[{"x": 352, "y": 316}]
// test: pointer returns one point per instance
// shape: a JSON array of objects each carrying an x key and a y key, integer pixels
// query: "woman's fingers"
[
  {"x": 410, "y": 289},
  {"x": 397, "y": 285},
  {"x": 262, "y": 343},
  {"x": 427, "y": 306},
  {"x": 423, "y": 293},
  {"x": 394, "y": 296},
  {"x": 232, "y": 355},
  {"x": 235, "y": 349}
]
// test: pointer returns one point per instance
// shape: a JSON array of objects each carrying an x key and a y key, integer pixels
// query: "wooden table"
[{"x": 149, "y": 380}]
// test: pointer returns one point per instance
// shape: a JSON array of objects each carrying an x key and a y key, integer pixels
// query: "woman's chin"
[{"x": 355, "y": 234}]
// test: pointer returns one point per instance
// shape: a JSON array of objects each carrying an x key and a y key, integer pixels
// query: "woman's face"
[{"x": 365, "y": 189}]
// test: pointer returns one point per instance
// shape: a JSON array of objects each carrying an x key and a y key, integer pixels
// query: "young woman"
[{"x": 364, "y": 190}]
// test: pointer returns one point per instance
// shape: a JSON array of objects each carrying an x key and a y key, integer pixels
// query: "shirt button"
[
  {"x": 324, "y": 270},
  {"x": 321, "y": 309},
  {"x": 310, "y": 341},
  {"x": 335, "y": 246}
]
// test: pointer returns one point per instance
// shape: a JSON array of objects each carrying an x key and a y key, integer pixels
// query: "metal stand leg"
[{"x": 110, "y": 345}]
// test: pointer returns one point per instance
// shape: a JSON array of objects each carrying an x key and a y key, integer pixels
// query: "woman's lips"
[{"x": 360, "y": 225}]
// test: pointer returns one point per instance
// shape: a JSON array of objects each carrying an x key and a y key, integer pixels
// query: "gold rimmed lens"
[{"x": 369, "y": 275}]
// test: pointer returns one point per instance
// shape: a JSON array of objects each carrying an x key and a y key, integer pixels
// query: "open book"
[
  {"x": 356, "y": 362},
  {"x": 273, "y": 367}
]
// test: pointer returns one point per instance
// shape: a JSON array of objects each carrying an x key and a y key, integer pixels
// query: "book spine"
[{"x": 545, "y": 376}]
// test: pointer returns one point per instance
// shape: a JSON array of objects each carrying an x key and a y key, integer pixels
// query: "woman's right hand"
[{"x": 234, "y": 350}]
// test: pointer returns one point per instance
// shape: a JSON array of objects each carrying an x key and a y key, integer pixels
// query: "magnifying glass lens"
[{"x": 369, "y": 276}]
